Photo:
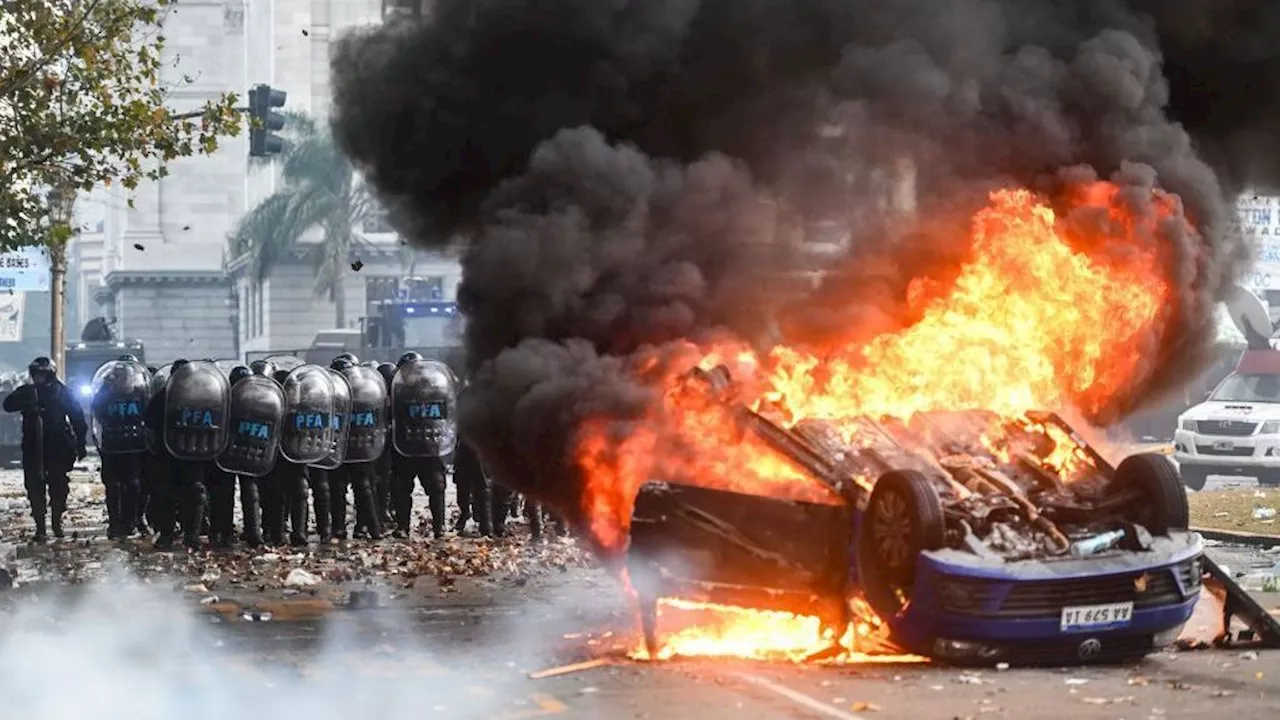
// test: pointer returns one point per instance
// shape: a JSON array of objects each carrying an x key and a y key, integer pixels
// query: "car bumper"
[
  {"x": 1226, "y": 453},
  {"x": 970, "y": 610}
]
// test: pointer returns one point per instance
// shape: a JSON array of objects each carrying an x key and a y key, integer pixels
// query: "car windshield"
[{"x": 1249, "y": 388}]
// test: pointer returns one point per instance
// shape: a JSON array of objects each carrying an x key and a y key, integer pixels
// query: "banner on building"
[
  {"x": 25, "y": 269},
  {"x": 1259, "y": 223},
  {"x": 11, "y": 307}
]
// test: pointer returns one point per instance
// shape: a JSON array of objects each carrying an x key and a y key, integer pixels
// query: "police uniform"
[{"x": 53, "y": 438}]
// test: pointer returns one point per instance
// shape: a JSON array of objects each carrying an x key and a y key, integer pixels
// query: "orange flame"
[{"x": 1035, "y": 319}]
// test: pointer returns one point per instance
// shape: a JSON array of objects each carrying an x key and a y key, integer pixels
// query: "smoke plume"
[{"x": 629, "y": 174}]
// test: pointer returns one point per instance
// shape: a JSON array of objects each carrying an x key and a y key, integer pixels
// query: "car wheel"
[
  {"x": 902, "y": 520},
  {"x": 1193, "y": 477},
  {"x": 1162, "y": 501}
]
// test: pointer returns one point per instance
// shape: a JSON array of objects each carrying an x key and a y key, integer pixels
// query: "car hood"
[
  {"x": 1165, "y": 550},
  {"x": 1214, "y": 410}
]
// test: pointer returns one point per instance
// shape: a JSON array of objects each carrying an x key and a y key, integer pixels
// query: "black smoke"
[{"x": 628, "y": 174}]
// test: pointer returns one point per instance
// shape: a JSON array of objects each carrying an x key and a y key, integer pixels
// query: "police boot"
[
  {"x": 482, "y": 499},
  {"x": 112, "y": 493},
  {"x": 534, "y": 512},
  {"x": 41, "y": 536},
  {"x": 249, "y": 507},
  {"x": 57, "y": 508},
  {"x": 298, "y": 520},
  {"x": 439, "y": 511}
]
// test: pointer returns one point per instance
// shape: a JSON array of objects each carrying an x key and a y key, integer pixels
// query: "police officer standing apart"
[{"x": 53, "y": 438}]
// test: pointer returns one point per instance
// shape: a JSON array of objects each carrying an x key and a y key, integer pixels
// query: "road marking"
[{"x": 799, "y": 698}]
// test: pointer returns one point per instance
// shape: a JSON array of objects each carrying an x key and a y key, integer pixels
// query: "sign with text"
[
  {"x": 1259, "y": 222},
  {"x": 11, "y": 307},
  {"x": 24, "y": 270}
]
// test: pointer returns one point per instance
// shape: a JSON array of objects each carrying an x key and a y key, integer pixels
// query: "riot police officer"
[
  {"x": 121, "y": 389},
  {"x": 383, "y": 472},
  {"x": 366, "y": 444},
  {"x": 424, "y": 400},
  {"x": 53, "y": 438},
  {"x": 475, "y": 493},
  {"x": 222, "y": 495}
]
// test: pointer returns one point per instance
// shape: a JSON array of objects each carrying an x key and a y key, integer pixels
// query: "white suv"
[{"x": 1236, "y": 431}]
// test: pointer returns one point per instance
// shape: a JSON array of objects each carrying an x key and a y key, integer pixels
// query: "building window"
[{"x": 401, "y": 8}]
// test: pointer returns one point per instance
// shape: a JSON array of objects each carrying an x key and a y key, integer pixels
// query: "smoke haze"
[{"x": 628, "y": 173}]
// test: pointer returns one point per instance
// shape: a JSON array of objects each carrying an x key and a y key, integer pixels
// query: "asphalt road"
[{"x": 141, "y": 650}]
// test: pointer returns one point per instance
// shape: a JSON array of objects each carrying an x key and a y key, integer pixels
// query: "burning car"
[{"x": 962, "y": 536}]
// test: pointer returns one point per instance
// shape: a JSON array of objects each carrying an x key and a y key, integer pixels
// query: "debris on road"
[
  {"x": 300, "y": 578},
  {"x": 569, "y": 669}
]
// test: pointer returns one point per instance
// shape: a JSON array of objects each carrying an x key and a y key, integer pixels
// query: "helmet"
[
  {"x": 128, "y": 358},
  {"x": 42, "y": 365},
  {"x": 408, "y": 357},
  {"x": 280, "y": 376},
  {"x": 340, "y": 363},
  {"x": 238, "y": 373},
  {"x": 262, "y": 367},
  {"x": 178, "y": 363},
  {"x": 152, "y": 369},
  {"x": 388, "y": 371},
  {"x": 349, "y": 357}
]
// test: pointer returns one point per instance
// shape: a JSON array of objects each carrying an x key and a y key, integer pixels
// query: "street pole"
[{"x": 61, "y": 201}]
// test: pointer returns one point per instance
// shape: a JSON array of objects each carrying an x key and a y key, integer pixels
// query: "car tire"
[
  {"x": 1193, "y": 477},
  {"x": 903, "y": 519},
  {"x": 1162, "y": 500}
]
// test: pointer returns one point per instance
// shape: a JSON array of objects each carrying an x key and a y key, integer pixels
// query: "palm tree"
[{"x": 320, "y": 190}]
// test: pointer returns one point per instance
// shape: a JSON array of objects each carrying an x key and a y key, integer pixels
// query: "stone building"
[{"x": 159, "y": 267}]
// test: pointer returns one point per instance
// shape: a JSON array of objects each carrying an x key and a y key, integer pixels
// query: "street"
[{"x": 211, "y": 634}]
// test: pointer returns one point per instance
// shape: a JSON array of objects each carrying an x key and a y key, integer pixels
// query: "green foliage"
[
  {"x": 82, "y": 102},
  {"x": 319, "y": 191}
]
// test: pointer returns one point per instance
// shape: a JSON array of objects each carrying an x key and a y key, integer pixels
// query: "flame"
[
  {"x": 700, "y": 629},
  {"x": 1036, "y": 318}
]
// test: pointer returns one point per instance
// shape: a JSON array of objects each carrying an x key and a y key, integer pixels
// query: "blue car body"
[{"x": 967, "y": 608}]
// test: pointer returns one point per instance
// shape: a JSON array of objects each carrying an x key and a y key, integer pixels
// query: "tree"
[
  {"x": 319, "y": 190},
  {"x": 82, "y": 104}
]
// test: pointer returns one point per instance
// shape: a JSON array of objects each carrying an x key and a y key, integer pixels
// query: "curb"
[{"x": 1239, "y": 538}]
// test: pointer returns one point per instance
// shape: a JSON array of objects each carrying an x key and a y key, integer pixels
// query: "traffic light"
[{"x": 263, "y": 123}]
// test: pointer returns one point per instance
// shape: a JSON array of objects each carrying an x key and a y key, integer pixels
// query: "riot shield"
[
  {"x": 307, "y": 436},
  {"x": 341, "y": 414},
  {"x": 195, "y": 411},
  {"x": 154, "y": 436},
  {"x": 287, "y": 363},
  {"x": 424, "y": 401},
  {"x": 255, "y": 422},
  {"x": 367, "y": 427},
  {"x": 120, "y": 391}
]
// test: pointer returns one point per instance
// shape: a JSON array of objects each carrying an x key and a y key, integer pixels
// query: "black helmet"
[
  {"x": 349, "y": 357},
  {"x": 340, "y": 363},
  {"x": 177, "y": 364},
  {"x": 409, "y": 357},
  {"x": 388, "y": 371},
  {"x": 280, "y": 376},
  {"x": 42, "y": 365},
  {"x": 238, "y": 373},
  {"x": 262, "y": 367},
  {"x": 128, "y": 358},
  {"x": 153, "y": 369}
]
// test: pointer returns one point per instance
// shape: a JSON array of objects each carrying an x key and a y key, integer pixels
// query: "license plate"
[
  {"x": 1094, "y": 616},
  {"x": 1224, "y": 445}
]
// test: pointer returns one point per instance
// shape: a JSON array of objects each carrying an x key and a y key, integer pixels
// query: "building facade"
[{"x": 158, "y": 266}]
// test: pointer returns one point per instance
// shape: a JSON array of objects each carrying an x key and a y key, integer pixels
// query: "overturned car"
[{"x": 973, "y": 538}]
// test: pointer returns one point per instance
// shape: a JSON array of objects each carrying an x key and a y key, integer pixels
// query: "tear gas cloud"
[
  {"x": 119, "y": 648},
  {"x": 625, "y": 175}
]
